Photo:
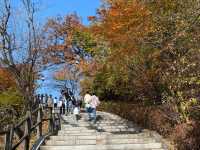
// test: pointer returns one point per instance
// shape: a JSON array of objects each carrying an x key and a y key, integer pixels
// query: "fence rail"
[{"x": 33, "y": 121}]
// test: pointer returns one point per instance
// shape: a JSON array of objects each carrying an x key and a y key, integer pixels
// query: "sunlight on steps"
[{"x": 109, "y": 133}]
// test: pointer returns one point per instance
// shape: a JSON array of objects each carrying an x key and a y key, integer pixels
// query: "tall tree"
[
  {"x": 20, "y": 44},
  {"x": 153, "y": 52},
  {"x": 122, "y": 25}
]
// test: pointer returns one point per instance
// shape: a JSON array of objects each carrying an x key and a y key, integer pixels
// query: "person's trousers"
[
  {"x": 88, "y": 110},
  {"x": 76, "y": 118},
  {"x": 94, "y": 114},
  {"x": 62, "y": 109}
]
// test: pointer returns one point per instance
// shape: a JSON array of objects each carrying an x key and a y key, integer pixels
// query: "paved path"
[{"x": 109, "y": 133}]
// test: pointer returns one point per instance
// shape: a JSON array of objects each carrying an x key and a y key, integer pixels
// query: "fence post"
[
  {"x": 59, "y": 121},
  {"x": 39, "y": 119},
  {"x": 50, "y": 120},
  {"x": 27, "y": 130},
  {"x": 54, "y": 122},
  {"x": 7, "y": 140},
  {"x": 9, "y": 137}
]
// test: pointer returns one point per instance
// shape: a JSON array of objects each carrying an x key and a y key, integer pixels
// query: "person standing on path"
[
  {"x": 87, "y": 101},
  {"x": 50, "y": 101},
  {"x": 71, "y": 107},
  {"x": 61, "y": 105},
  {"x": 45, "y": 100},
  {"x": 55, "y": 106},
  {"x": 76, "y": 111},
  {"x": 94, "y": 103}
]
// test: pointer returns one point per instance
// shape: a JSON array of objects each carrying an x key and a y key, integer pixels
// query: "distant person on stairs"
[
  {"x": 50, "y": 101},
  {"x": 76, "y": 111},
  {"x": 87, "y": 101},
  {"x": 55, "y": 106},
  {"x": 61, "y": 105},
  {"x": 94, "y": 103}
]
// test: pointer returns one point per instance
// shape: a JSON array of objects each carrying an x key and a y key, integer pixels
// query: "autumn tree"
[
  {"x": 70, "y": 43},
  {"x": 9, "y": 95},
  {"x": 152, "y": 53},
  {"x": 20, "y": 44},
  {"x": 11, "y": 100},
  {"x": 61, "y": 34},
  {"x": 174, "y": 41},
  {"x": 6, "y": 80},
  {"x": 122, "y": 25}
]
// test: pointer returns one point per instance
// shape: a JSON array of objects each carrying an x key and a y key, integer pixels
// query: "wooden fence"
[{"x": 33, "y": 122}]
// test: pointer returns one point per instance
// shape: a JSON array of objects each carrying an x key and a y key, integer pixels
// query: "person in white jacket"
[
  {"x": 87, "y": 101},
  {"x": 76, "y": 112}
]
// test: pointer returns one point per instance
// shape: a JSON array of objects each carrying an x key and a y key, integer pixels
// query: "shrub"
[
  {"x": 162, "y": 119},
  {"x": 187, "y": 136}
]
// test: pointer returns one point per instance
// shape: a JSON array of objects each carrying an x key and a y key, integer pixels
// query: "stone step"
[
  {"x": 99, "y": 124},
  {"x": 106, "y": 121},
  {"x": 99, "y": 141},
  {"x": 106, "y": 147},
  {"x": 92, "y": 132},
  {"x": 102, "y": 121},
  {"x": 61, "y": 133},
  {"x": 99, "y": 117},
  {"x": 91, "y": 124},
  {"x": 101, "y": 136},
  {"x": 118, "y": 131},
  {"x": 114, "y": 131},
  {"x": 70, "y": 127},
  {"x": 77, "y": 131},
  {"x": 109, "y": 133},
  {"x": 108, "y": 129}
]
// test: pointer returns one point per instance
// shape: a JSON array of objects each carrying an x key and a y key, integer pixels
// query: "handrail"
[
  {"x": 20, "y": 141},
  {"x": 3, "y": 132},
  {"x": 29, "y": 127},
  {"x": 40, "y": 141},
  {"x": 20, "y": 123},
  {"x": 36, "y": 110},
  {"x": 36, "y": 125}
]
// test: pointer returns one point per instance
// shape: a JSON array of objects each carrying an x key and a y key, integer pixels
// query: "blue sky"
[{"x": 83, "y": 8}]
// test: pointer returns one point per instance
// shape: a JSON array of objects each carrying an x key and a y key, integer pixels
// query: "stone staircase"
[{"x": 109, "y": 133}]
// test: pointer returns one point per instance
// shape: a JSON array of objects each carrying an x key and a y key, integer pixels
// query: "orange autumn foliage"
[
  {"x": 6, "y": 80},
  {"x": 124, "y": 24},
  {"x": 59, "y": 36},
  {"x": 88, "y": 68}
]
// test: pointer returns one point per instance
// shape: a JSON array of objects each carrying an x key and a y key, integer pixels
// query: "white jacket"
[
  {"x": 60, "y": 103},
  {"x": 76, "y": 111},
  {"x": 87, "y": 98}
]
